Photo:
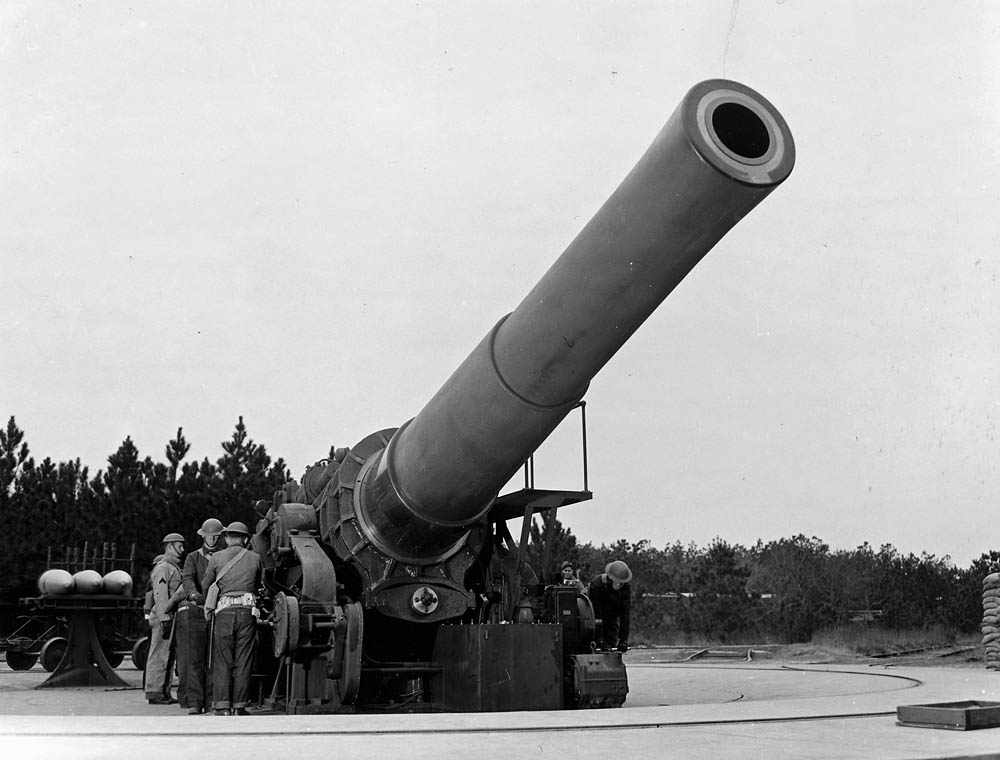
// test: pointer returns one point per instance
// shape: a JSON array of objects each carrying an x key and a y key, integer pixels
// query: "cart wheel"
[
  {"x": 21, "y": 660},
  {"x": 140, "y": 651},
  {"x": 52, "y": 652},
  {"x": 114, "y": 658}
]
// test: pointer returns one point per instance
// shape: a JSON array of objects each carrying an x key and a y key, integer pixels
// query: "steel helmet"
[
  {"x": 618, "y": 571},
  {"x": 173, "y": 538},
  {"x": 211, "y": 527},
  {"x": 237, "y": 527}
]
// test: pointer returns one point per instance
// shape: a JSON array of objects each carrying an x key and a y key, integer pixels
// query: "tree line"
[
  {"x": 781, "y": 591},
  {"x": 134, "y": 500}
]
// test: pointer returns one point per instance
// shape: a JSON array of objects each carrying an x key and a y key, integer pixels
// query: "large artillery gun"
[{"x": 394, "y": 580}]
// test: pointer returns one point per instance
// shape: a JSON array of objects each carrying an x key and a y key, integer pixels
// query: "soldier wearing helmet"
[
  {"x": 168, "y": 590},
  {"x": 237, "y": 572},
  {"x": 191, "y": 628},
  {"x": 611, "y": 594}
]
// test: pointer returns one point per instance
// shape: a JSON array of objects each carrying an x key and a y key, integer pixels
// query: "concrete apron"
[{"x": 678, "y": 710}]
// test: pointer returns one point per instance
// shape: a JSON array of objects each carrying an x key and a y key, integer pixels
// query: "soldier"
[
  {"x": 569, "y": 577},
  {"x": 237, "y": 572},
  {"x": 611, "y": 595},
  {"x": 167, "y": 591},
  {"x": 191, "y": 628}
]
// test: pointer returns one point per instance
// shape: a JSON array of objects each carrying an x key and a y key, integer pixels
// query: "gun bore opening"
[{"x": 740, "y": 130}]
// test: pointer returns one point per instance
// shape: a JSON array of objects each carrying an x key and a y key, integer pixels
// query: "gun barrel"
[{"x": 723, "y": 150}]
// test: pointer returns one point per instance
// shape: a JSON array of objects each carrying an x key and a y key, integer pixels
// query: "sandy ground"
[
  {"x": 776, "y": 704},
  {"x": 736, "y": 673}
]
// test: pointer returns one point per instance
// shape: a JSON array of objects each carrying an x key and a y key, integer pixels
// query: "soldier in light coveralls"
[{"x": 167, "y": 592}]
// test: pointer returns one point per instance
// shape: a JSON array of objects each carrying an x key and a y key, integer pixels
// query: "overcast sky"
[{"x": 309, "y": 213}]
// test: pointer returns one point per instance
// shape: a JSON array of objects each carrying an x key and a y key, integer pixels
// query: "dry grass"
[
  {"x": 875, "y": 640},
  {"x": 937, "y": 645},
  {"x": 680, "y": 639}
]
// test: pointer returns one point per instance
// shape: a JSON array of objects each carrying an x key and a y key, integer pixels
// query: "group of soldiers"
[{"x": 203, "y": 619}]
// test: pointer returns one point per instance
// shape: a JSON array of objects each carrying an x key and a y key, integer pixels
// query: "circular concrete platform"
[
  {"x": 652, "y": 683},
  {"x": 663, "y": 684},
  {"x": 674, "y": 709}
]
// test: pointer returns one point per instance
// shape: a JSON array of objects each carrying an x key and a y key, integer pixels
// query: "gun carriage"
[{"x": 84, "y": 621}]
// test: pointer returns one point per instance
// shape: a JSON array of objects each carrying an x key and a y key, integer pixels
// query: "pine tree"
[
  {"x": 176, "y": 450},
  {"x": 246, "y": 474},
  {"x": 16, "y": 567},
  {"x": 126, "y": 501},
  {"x": 13, "y": 455},
  {"x": 561, "y": 547}
]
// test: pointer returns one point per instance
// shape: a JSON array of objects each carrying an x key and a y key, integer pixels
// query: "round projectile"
[
  {"x": 55, "y": 583},
  {"x": 88, "y": 582},
  {"x": 118, "y": 583}
]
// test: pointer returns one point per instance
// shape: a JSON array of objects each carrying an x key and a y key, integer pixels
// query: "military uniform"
[
  {"x": 167, "y": 591},
  {"x": 613, "y": 608},
  {"x": 191, "y": 632},
  {"x": 234, "y": 637}
]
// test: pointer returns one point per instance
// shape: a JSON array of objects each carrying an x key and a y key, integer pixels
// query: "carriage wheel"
[
  {"x": 52, "y": 652},
  {"x": 21, "y": 660},
  {"x": 350, "y": 679},
  {"x": 286, "y": 624},
  {"x": 114, "y": 658},
  {"x": 140, "y": 650}
]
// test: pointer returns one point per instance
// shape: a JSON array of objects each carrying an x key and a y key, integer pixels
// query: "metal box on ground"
[
  {"x": 491, "y": 668},
  {"x": 599, "y": 680},
  {"x": 957, "y": 716}
]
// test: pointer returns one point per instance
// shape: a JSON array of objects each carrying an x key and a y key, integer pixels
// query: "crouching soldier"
[
  {"x": 611, "y": 595},
  {"x": 191, "y": 628},
  {"x": 237, "y": 572}
]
